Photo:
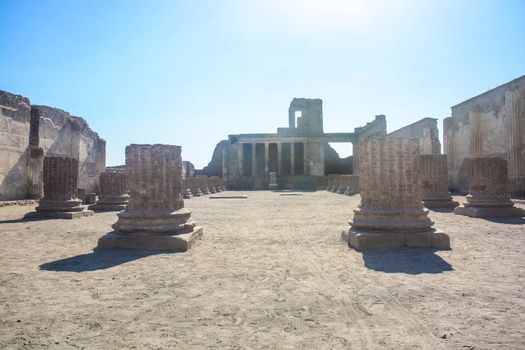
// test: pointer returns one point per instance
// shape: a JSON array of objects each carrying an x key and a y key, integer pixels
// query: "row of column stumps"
[
  {"x": 391, "y": 213},
  {"x": 343, "y": 184},
  {"x": 155, "y": 217},
  {"x": 60, "y": 201},
  {"x": 201, "y": 185}
]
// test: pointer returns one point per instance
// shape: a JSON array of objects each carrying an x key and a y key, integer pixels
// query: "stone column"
[
  {"x": 292, "y": 158},
  {"x": 488, "y": 194},
  {"x": 330, "y": 182},
  {"x": 240, "y": 159},
  {"x": 254, "y": 159},
  {"x": 203, "y": 184},
  {"x": 186, "y": 189},
  {"x": 60, "y": 190},
  {"x": 279, "y": 159},
  {"x": 113, "y": 194},
  {"x": 336, "y": 183},
  {"x": 391, "y": 213},
  {"x": 155, "y": 217},
  {"x": 195, "y": 187},
  {"x": 434, "y": 182},
  {"x": 266, "y": 158}
]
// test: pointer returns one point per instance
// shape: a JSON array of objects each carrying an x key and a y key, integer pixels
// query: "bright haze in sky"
[{"x": 191, "y": 72}]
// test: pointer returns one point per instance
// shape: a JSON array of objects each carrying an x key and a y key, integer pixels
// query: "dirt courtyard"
[{"x": 270, "y": 272}]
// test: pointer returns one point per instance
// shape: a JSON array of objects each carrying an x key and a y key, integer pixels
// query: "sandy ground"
[{"x": 270, "y": 272}]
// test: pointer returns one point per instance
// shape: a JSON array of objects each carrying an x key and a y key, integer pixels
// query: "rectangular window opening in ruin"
[{"x": 298, "y": 117}]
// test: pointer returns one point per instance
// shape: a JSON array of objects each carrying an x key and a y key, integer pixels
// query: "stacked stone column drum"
[
  {"x": 203, "y": 184},
  {"x": 113, "y": 194},
  {"x": 330, "y": 182},
  {"x": 488, "y": 193},
  {"x": 60, "y": 200},
  {"x": 391, "y": 214},
  {"x": 434, "y": 182},
  {"x": 186, "y": 189},
  {"x": 155, "y": 217},
  {"x": 195, "y": 187}
]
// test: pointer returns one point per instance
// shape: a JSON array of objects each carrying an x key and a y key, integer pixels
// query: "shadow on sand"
[
  {"x": 405, "y": 260},
  {"x": 508, "y": 220},
  {"x": 99, "y": 259}
]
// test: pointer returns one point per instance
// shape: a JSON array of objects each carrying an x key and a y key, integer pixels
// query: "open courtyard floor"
[{"x": 270, "y": 272}]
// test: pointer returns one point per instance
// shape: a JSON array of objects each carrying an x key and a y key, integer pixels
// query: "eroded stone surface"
[
  {"x": 391, "y": 214},
  {"x": 434, "y": 182},
  {"x": 155, "y": 217},
  {"x": 488, "y": 193},
  {"x": 60, "y": 190},
  {"x": 113, "y": 192}
]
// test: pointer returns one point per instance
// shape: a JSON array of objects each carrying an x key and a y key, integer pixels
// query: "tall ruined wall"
[
  {"x": 426, "y": 131},
  {"x": 15, "y": 118},
  {"x": 215, "y": 166},
  {"x": 30, "y": 132},
  {"x": 491, "y": 124},
  {"x": 62, "y": 134}
]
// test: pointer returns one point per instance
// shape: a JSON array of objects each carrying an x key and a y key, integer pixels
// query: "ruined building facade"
[
  {"x": 28, "y": 133},
  {"x": 296, "y": 153},
  {"x": 490, "y": 124}
]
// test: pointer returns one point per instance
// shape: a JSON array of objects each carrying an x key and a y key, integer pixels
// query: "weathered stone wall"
[
  {"x": 14, "y": 145},
  {"x": 426, "y": 131},
  {"x": 490, "y": 124},
  {"x": 64, "y": 135},
  {"x": 30, "y": 132},
  {"x": 215, "y": 166}
]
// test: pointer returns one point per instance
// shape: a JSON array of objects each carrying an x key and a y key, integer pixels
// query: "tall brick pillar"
[
  {"x": 113, "y": 194},
  {"x": 391, "y": 213},
  {"x": 434, "y": 182},
  {"x": 60, "y": 176},
  {"x": 155, "y": 217},
  {"x": 488, "y": 192}
]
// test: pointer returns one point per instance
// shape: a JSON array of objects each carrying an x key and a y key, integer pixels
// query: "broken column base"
[
  {"x": 439, "y": 203},
  {"x": 363, "y": 240},
  {"x": 148, "y": 241},
  {"x": 58, "y": 214},
  {"x": 490, "y": 212},
  {"x": 272, "y": 187}
]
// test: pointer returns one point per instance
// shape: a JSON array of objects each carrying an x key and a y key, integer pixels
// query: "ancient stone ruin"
[
  {"x": 203, "y": 184},
  {"x": 186, "y": 188},
  {"x": 488, "y": 192},
  {"x": 491, "y": 124},
  {"x": 28, "y": 133},
  {"x": 195, "y": 187},
  {"x": 155, "y": 217},
  {"x": 434, "y": 182},
  {"x": 60, "y": 190},
  {"x": 113, "y": 195},
  {"x": 391, "y": 214}
]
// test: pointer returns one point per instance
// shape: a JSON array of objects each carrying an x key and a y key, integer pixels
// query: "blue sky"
[{"x": 191, "y": 72}]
